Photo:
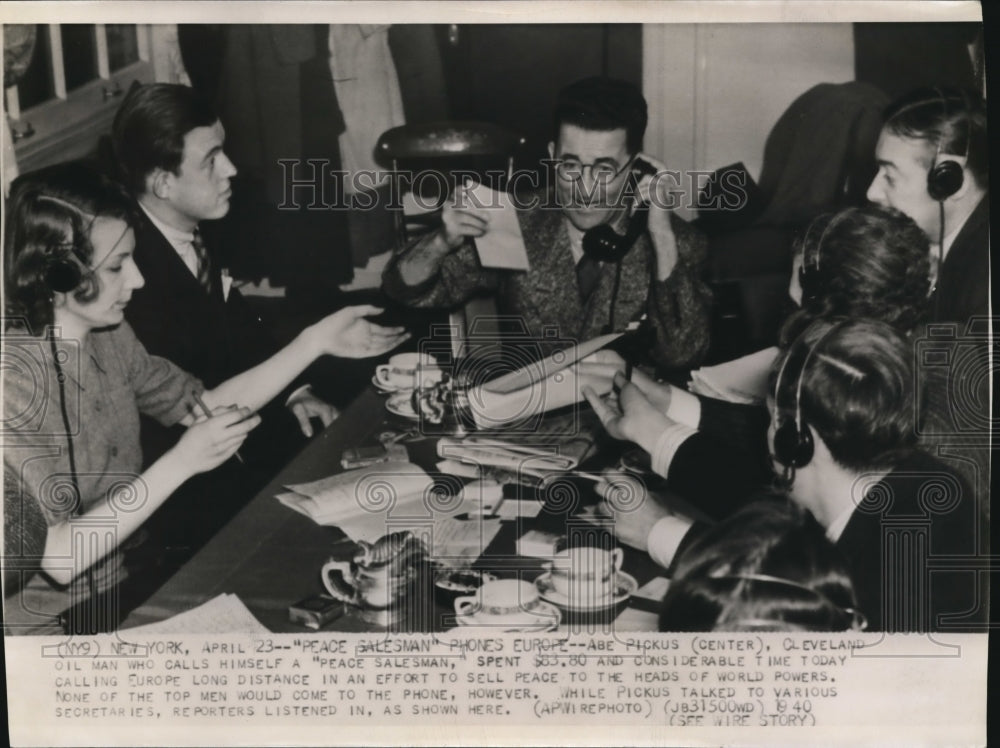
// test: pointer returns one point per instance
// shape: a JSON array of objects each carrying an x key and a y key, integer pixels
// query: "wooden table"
[{"x": 269, "y": 555}]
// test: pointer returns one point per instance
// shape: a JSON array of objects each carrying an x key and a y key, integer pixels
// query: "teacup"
[
  {"x": 504, "y": 602},
  {"x": 585, "y": 575},
  {"x": 409, "y": 371}
]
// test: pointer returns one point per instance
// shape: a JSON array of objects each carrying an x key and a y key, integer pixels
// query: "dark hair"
[
  {"x": 769, "y": 567},
  {"x": 49, "y": 217},
  {"x": 604, "y": 104},
  {"x": 149, "y": 129},
  {"x": 949, "y": 119},
  {"x": 867, "y": 262},
  {"x": 857, "y": 390}
]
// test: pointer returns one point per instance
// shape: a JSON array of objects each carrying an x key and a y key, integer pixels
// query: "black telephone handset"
[{"x": 605, "y": 244}]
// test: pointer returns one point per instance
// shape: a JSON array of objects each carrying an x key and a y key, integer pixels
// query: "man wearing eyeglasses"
[{"x": 599, "y": 174}]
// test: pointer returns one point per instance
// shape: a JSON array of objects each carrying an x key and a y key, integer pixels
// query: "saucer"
[
  {"x": 401, "y": 405},
  {"x": 544, "y": 618},
  {"x": 624, "y": 587},
  {"x": 387, "y": 389}
]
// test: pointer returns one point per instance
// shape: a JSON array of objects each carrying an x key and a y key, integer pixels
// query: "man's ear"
[{"x": 158, "y": 183}]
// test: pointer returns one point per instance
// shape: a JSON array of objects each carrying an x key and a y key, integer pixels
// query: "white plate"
[
  {"x": 400, "y": 405},
  {"x": 547, "y": 616},
  {"x": 625, "y": 587},
  {"x": 385, "y": 388}
]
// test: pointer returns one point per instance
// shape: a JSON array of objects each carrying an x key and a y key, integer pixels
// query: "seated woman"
[
  {"x": 76, "y": 380},
  {"x": 843, "y": 434},
  {"x": 769, "y": 567}
]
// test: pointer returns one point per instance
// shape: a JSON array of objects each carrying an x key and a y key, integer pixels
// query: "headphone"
[
  {"x": 945, "y": 178},
  {"x": 62, "y": 275},
  {"x": 811, "y": 276},
  {"x": 793, "y": 442}
]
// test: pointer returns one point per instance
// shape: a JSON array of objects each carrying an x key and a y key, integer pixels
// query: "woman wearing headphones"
[
  {"x": 843, "y": 434},
  {"x": 76, "y": 379}
]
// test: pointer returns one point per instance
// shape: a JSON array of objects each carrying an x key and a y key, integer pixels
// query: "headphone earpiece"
[
  {"x": 944, "y": 179},
  {"x": 63, "y": 275},
  {"x": 793, "y": 444},
  {"x": 793, "y": 441}
]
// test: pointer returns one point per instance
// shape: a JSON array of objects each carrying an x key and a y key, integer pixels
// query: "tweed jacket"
[{"x": 547, "y": 296}]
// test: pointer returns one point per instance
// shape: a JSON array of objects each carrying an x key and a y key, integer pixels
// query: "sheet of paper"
[
  {"x": 633, "y": 619},
  {"x": 742, "y": 380},
  {"x": 502, "y": 246},
  {"x": 463, "y": 540},
  {"x": 654, "y": 589},
  {"x": 514, "y": 508},
  {"x": 225, "y": 614},
  {"x": 458, "y": 469}
]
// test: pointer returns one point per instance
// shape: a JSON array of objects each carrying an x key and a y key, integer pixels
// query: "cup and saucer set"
[
  {"x": 505, "y": 605},
  {"x": 586, "y": 579},
  {"x": 404, "y": 373}
]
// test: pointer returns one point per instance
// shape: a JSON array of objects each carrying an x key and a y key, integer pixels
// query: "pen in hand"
[{"x": 208, "y": 414}]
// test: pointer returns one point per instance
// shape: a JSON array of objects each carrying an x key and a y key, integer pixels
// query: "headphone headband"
[{"x": 62, "y": 275}]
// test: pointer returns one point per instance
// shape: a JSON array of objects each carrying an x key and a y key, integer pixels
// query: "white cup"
[
  {"x": 409, "y": 371},
  {"x": 510, "y": 602},
  {"x": 585, "y": 575}
]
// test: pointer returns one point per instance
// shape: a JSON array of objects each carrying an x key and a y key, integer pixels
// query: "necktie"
[
  {"x": 204, "y": 274},
  {"x": 588, "y": 273}
]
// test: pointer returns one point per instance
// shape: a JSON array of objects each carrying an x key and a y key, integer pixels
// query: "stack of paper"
[
  {"x": 225, "y": 614},
  {"x": 742, "y": 380}
]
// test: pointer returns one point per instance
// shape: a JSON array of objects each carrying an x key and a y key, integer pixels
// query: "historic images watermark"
[{"x": 311, "y": 184}]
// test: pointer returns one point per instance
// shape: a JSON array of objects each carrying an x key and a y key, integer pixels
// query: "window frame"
[{"x": 69, "y": 125}]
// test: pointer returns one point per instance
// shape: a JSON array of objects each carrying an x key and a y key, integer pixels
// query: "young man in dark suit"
[
  {"x": 169, "y": 146},
  {"x": 933, "y": 164}
]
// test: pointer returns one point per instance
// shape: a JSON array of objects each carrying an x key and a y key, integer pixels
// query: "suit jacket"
[
  {"x": 963, "y": 280},
  {"x": 175, "y": 318},
  {"x": 547, "y": 295},
  {"x": 914, "y": 545},
  {"x": 204, "y": 334}
]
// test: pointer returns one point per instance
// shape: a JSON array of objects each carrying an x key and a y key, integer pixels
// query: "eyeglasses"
[{"x": 572, "y": 170}]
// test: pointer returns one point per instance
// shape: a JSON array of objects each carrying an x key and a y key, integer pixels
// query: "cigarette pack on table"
[{"x": 538, "y": 544}]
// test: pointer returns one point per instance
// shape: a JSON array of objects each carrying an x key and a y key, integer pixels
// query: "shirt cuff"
[
  {"x": 665, "y": 538},
  {"x": 304, "y": 388},
  {"x": 684, "y": 407},
  {"x": 667, "y": 445}
]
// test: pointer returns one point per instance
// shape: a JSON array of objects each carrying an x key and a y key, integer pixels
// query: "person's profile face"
[
  {"x": 591, "y": 200},
  {"x": 113, "y": 270},
  {"x": 201, "y": 188},
  {"x": 901, "y": 180}
]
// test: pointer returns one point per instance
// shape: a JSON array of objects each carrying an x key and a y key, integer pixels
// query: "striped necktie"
[{"x": 204, "y": 273}]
